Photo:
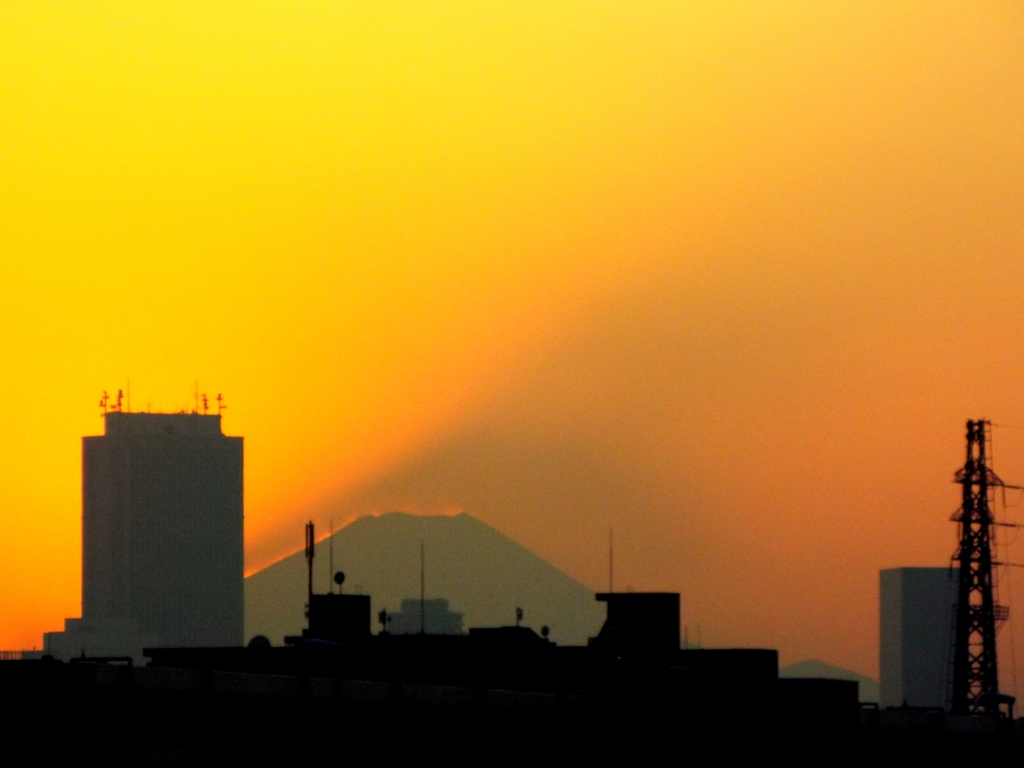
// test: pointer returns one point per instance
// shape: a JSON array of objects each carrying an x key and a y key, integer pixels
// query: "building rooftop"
[{"x": 197, "y": 424}]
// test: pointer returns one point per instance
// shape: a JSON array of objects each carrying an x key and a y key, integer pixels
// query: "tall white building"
[
  {"x": 918, "y": 607},
  {"x": 162, "y": 547}
]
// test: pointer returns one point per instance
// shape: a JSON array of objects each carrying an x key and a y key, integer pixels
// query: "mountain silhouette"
[{"x": 482, "y": 573}]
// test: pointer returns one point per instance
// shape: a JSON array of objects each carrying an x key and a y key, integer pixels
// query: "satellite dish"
[{"x": 339, "y": 578}]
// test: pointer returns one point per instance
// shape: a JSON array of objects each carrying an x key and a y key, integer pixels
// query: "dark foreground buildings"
[
  {"x": 632, "y": 693},
  {"x": 162, "y": 548},
  {"x": 340, "y": 691}
]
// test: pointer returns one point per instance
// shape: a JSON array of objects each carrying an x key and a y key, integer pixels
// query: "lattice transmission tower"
[{"x": 978, "y": 616}]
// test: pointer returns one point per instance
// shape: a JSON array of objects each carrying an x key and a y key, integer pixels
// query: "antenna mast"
[
  {"x": 423, "y": 592},
  {"x": 975, "y": 672},
  {"x": 310, "y": 551},
  {"x": 611, "y": 559}
]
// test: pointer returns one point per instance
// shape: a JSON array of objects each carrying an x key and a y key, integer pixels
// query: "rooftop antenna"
[
  {"x": 309, "y": 562},
  {"x": 330, "y": 555},
  {"x": 423, "y": 592},
  {"x": 611, "y": 559},
  {"x": 103, "y": 401},
  {"x": 196, "y": 395},
  {"x": 206, "y": 404},
  {"x": 220, "y": 403},
  {"x": 117, "y": 403}
]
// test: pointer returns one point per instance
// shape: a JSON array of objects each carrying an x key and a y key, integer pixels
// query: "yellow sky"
[{"x": 728, "y": 276}]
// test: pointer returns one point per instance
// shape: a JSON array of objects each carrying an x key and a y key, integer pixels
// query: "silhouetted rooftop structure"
[
  {"x": 432, "y": 616},
  {"x": 639, "y": 623}
]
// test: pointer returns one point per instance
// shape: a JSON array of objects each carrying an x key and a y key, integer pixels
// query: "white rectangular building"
[{"x": 917, "y": 611}]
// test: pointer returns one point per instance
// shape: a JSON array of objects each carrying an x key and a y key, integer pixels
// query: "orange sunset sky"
[{"x": 727, "y": 277}]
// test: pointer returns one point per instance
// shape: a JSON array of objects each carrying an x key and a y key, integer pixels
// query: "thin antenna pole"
[
  {"x": 423, "y": 592},
  {"x": 196, "y": 408},
  {"x": 330, "y": 558},
  {"x": 611, "y": 559},
  {"x": 310, "y": 552}
]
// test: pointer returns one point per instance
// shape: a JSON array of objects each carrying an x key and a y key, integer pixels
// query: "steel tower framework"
[{"x": 975, "y": 671}]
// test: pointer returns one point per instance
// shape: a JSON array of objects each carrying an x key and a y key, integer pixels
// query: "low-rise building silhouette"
[{"x": 432, "y": 617}]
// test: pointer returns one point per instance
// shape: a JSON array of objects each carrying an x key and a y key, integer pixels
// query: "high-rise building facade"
[
  {"x": 162, "y": 534},
  {"x": 917, "y": 610}
]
